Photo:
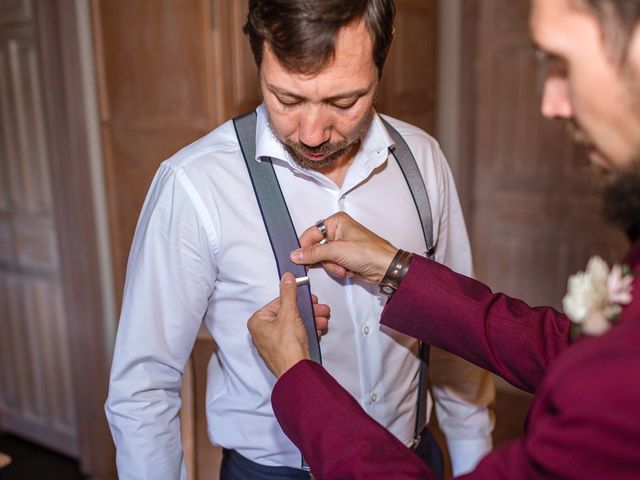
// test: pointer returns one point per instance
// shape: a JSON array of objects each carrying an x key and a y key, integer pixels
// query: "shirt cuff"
[{"x": 466, "y": 453}]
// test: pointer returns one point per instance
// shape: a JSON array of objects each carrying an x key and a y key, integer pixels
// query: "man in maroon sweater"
[{"x": 584, "y": 421}]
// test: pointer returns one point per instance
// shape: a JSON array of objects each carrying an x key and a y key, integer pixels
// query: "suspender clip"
[{"x": 302, "y": 281}]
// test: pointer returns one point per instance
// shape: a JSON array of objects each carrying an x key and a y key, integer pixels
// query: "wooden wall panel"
[
  {"x": 511, "y": 15},
  {"x": 408, "y": 89},
  {"x": 154, "y": 68},
  {"x": 133, "y": 156},
  {"x": 157, "y": 95},
  {"x": 239, "y": 92},
  {"x": 15, "y": 11},
  {"x": 535, "y": 207}
]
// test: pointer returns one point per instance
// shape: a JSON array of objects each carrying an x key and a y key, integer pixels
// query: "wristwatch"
[{"x": 396, "y": 272}]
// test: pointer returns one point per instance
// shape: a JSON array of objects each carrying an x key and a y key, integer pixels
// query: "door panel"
[{"x": 36, "y": 397}]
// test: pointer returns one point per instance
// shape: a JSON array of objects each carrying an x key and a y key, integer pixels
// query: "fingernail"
[
  {"x": 288, "y": 278},
  {"x": 297, "y": 255}
]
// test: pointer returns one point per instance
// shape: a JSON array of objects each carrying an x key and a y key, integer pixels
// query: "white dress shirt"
[{"x": 201, "y": 253}]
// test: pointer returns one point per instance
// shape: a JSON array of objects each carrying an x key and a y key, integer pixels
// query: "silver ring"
[
  {"x": 324, "y": 241},
  {"x": 322, "y": 227}
]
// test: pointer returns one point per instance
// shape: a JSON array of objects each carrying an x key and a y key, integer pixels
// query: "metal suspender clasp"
[{"x": 416, "y": 441}]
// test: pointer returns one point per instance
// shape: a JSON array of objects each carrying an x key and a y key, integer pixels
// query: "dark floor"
[{"x": 31, "y": 462}]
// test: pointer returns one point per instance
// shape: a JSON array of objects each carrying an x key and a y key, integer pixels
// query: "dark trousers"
[
  {"x": 237, "y": 467},
  {"x": 429, "y": 451}
]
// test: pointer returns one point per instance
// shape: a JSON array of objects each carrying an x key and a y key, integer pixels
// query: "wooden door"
[
  {"x": 535, "y": 209},
  {"x": 36, "y": 397},
  {"x": 53, "y": 350}
]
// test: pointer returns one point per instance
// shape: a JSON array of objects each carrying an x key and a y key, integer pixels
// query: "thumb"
[
  {"x": 288, "y": 294},
  {"x": 320, "y": 254},
  {"x": 311, "y": 254}
]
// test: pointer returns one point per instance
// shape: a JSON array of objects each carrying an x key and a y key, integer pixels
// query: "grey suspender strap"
[
  {"x": 277, "y": 222},
  {"x": 407, "y": 163},
  {"x": 413, "y": 177}
]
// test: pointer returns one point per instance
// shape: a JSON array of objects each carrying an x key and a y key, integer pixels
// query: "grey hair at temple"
[{"x": 302, "y": 33}]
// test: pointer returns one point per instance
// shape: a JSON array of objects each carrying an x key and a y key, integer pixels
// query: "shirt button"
[
  {"x": 373, "y": 398},
  {"x": 365, "y": 330}
]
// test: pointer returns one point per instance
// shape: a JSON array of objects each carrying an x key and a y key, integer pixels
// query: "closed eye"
[
  {"x": 288, "y": 102},
  {"x": 345, "y": 105}
]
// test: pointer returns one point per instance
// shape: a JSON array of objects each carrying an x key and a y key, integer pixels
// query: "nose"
[
  {"x": 314, "y": 126},
  {"x": 556, "y": 101}
]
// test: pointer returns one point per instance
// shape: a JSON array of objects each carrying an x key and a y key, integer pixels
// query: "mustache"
[{"x": 327, "y": 147}]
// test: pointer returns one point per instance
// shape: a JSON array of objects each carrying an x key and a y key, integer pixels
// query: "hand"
[
  {"x": 351, "y": 250},
  {"x": 277, "y": 330}
]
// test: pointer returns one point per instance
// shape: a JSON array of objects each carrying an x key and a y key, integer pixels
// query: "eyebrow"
[{"x": 351, "y": 94}]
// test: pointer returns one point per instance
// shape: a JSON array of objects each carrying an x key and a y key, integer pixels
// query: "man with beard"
[
  {"x": 201, "y": 253},
  {"x": 582, "y": 422}
]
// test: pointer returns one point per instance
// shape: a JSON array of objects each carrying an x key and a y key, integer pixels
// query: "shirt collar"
[{"x": 267, "y": 144}]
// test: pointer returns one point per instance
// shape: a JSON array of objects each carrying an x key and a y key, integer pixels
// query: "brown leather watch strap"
[{"x": 395, "y": 273}]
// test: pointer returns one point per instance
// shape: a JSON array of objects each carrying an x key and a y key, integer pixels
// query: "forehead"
[
  {"x": 352, "y": 60},
  {"x": 548, "y": 16},
  {"x": 563, "y": 28}
]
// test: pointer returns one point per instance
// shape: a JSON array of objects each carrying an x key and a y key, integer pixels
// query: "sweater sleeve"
[
  {"x": 336, "y": 437},
  {"x": 462, "y": 316}
]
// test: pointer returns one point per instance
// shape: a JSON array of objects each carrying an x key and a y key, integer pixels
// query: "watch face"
[{"x": 387, "y": 289}]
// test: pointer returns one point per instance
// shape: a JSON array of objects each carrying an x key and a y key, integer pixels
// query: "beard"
[
  {"x": 621, "y": 200},
  {"x": 334, "y": 151}
]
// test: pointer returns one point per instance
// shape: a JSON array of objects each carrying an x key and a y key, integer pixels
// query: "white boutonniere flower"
[{"x": 595, "y": 297}]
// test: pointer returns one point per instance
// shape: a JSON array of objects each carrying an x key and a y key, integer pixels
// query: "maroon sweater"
[{"x": 584, "y": 421}]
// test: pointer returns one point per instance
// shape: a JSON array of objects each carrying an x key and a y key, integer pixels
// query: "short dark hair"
[
  {"x": 618, "y": 20},
  {"x": 302, "y": 33}
]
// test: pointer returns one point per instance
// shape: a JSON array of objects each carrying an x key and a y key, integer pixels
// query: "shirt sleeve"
[
  {"x": 462, "y": 391},
  {"x": 170, "y": 277}
]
